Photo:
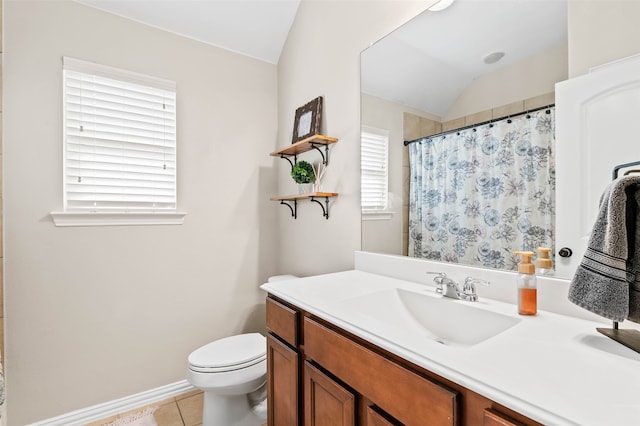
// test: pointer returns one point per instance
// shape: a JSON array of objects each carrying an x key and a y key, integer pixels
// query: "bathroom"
[{"x": 93, "y": 314}]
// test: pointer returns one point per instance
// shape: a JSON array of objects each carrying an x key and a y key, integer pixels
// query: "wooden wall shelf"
[
  {"x": 313, "y": 142},
  {"x": 305, "y": 145},
  {"x": 312, "y": 196}
]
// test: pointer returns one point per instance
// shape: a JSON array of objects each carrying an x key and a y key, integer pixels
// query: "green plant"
[{"x": 302, "y": 172}]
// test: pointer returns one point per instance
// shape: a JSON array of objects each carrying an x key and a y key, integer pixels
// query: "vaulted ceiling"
[
  {"x": 446, "y": 46},
  {"x": 255, "y": 28}
]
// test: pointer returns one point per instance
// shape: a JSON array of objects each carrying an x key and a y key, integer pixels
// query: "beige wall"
[
  {"x": 403, "y": 123},
  {"x": 98, "y": 313},
  {"x": 385, "y": 235},
  {"x": 321, "y": 57},
  {"x": 601, "y": 31},
  {"x": 530, "y": 77},
  {"x": 1, "y": 224}
]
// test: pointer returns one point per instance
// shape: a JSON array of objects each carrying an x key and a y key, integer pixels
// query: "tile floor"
[{"x": 182, "y": 410}]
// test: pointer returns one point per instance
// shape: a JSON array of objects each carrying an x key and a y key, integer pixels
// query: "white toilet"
[{"x": 232, "y": 373}]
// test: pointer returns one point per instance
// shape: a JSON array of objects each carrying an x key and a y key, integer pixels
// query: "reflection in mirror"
[{"x": 464, "y": 68}]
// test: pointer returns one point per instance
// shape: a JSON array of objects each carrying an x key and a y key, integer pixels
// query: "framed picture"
[{"x": 308, "y": 120}]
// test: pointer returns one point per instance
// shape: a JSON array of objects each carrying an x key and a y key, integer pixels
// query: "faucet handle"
[
  {"x": 469, "y": 288},
  {"x": 472, "y": 280},
  {"x": 438, "y": 280}
]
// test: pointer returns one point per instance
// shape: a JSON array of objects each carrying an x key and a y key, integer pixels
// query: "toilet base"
[{"x": 228, "y": 410}]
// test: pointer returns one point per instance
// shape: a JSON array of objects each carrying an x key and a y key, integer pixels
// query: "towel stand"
[
  {"x": 629, "y": 338},
  {"x": 617, "y": 168}
]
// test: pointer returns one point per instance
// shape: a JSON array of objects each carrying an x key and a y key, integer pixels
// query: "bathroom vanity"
[
  {"x": 320, "y": 374},
  {"x": 355, "y": 348}
]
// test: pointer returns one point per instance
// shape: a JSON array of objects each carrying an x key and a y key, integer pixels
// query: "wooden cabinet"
[
  {"x": 321, "y": 375},
  {"x": 283, "y": 365}
]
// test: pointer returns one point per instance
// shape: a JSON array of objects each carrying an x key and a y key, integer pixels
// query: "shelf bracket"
[
  {"x": 325, "y": 211},
  {"x": 295, "y": 159},
  {"x": 325, "y": 159},
  {"x": 294, "y": 209}
]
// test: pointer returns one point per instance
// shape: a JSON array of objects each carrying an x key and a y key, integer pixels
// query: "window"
[
  {"x": 119, "y": 141},
  {"x": 374, "y": 172}
]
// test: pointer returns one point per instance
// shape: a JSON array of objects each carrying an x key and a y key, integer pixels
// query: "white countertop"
[{"x": 555, "y": 369}]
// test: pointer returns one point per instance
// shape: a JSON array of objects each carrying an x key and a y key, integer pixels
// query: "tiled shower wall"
[{"x": 415, "y": 127}]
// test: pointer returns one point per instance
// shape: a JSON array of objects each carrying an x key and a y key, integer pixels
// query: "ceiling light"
[
  {"x": 441, "y": 5},
  {"x": 494, "y": 57}
]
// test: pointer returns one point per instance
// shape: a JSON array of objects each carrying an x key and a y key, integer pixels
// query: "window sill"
[
  {"x": 117, "y": 219},
  {"x": 377, "y": 215}
]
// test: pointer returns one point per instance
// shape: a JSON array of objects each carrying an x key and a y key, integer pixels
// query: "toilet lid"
[{"x": 230, "y": 352}]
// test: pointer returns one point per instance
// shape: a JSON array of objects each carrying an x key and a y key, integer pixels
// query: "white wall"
[
  {"x": 94, "y": 314},
  {"x": 321, "y": 57}
]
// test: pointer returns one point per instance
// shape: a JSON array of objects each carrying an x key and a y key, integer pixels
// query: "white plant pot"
[{"x": 305, "y": 188}]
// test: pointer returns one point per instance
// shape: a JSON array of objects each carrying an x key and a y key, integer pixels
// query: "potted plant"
[{"x": 302, "y": 173}]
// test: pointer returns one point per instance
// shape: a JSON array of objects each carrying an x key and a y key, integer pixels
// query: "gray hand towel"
[
  {"x": 634, "y": 266},
  {"x": 607, "y": 280}
]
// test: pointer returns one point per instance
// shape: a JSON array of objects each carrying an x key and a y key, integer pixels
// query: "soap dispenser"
[
  {"x": 544, "y": 264},
  {"x": 527, "y": 285}
]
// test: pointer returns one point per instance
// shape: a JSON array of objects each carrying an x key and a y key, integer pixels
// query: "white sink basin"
[{"x": 421, "y": 315}]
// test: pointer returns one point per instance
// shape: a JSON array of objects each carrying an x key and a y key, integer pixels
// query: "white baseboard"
[{"x": 111, "y": 408}]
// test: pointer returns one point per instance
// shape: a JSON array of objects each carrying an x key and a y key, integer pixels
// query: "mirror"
[{"x": 471, "y": 63}]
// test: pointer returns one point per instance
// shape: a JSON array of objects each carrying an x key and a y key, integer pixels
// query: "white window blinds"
[
  {"x": 374, "y": 170},
  {"x": 120, "y": 140}
]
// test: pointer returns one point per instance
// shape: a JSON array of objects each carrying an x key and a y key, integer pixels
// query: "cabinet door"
[
  {"x": 495, "y": 418},
  {"x": 282, "y": 383},
  {"x": 326, "y": 403},
  {"x": 376, "y": 418}
]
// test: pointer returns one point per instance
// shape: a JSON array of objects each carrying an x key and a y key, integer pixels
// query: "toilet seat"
[{"x": 228, "y": 354}]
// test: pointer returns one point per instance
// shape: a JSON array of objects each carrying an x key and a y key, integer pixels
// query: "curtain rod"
[{"x": 479, "y": 124}]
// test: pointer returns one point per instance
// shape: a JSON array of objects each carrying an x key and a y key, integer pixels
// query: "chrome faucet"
[{"x": 449, "y": 288}]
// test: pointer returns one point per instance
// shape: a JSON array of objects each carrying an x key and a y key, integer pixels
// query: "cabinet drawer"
[
  {"x": 283, "y": 321},
  {"x": 408, "y": 397}
]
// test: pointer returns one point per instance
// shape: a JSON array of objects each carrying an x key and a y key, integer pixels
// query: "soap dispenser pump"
[
  {"x": 527, "y": 285},
  {"x": 544, "y": 264}
]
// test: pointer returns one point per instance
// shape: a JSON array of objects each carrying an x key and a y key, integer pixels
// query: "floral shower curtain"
[{"x": 479, "y": 194}]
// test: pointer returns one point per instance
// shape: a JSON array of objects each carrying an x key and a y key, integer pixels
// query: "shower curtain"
[{"x": 479, "y": 194}]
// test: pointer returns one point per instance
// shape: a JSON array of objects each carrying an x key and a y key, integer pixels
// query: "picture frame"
[{"x": 308, "y": 120}]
